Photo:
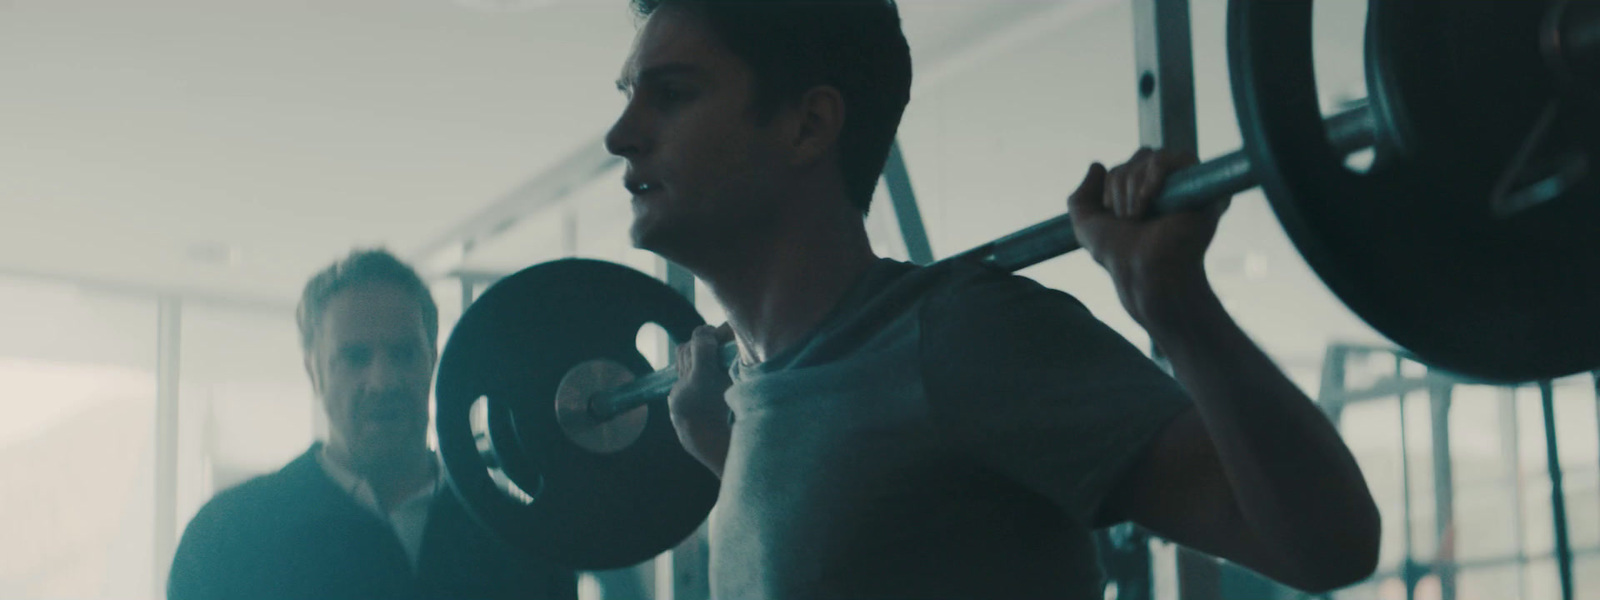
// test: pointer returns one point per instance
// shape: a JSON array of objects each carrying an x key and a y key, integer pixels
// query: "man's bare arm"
[{"x": 1256, "y": 474}]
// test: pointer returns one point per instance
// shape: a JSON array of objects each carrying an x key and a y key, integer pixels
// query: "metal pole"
[
  {"x": 1164, "y": 57},
  {"x": 1330, "y": 389},
  {"x": 1510, "y": 442},
  {"x": 1190, "y": 188},
  {"x": 1409, "y": 571},
  {"x": 168, "y": 331},
  {"x": 1332, "y": 383},
  {"x": 1164, "y": 77},
  {"x": 1558, "y": 499},
  {"x": 1440, "y": 397},
  {"x": 897, "y": 180}
]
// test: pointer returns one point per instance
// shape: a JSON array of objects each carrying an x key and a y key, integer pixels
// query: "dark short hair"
[
  {"x": 792, "y": 46},
  {"x": 359, "y": 268}
]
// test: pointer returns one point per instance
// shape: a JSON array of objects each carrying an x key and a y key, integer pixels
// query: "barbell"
[{"x": 1473, "y": 240}]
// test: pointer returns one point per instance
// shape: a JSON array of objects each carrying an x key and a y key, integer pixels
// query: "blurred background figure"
[{"x": 367, "y": 513}]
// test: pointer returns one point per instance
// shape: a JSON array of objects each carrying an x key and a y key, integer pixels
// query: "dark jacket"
[{"x": 295, "y": 534}]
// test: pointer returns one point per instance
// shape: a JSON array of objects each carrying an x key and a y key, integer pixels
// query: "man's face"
[
  {"x": 372, "y": 366},
  {"x": 700, "y": 166}
]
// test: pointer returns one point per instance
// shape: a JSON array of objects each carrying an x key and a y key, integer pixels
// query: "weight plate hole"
[
  {"x": 478, "y": 419},
  {"x": 655, "y": 345},
  {"x": 1360, "y": 162}
]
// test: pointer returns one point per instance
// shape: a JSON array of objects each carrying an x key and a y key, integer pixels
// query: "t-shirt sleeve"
[{"x": 1025, "y": 378}]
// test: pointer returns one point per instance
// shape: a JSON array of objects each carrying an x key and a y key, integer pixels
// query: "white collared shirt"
[{"x": 408, "y": 518}]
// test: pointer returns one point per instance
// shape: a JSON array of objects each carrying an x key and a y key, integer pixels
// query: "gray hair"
[{"x": 362, "y": 267}]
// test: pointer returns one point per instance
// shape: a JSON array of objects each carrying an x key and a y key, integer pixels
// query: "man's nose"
[
  {"x": 626, "y": 136},
  {"x": 384, "y": 373}
]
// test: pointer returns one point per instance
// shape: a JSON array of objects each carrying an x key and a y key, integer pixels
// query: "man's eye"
[
  {"x": 670, "y": 97},
  {"x": 406, "y": 354}
]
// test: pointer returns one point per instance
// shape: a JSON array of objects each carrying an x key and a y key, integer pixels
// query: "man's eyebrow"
[{"x": 648, "y": 75}]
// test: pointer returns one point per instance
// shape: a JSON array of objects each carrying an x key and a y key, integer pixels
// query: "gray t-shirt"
[{"x": 946, "y": 433}]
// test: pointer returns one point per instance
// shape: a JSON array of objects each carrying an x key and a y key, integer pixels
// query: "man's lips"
[
  {"x": 384, "y": 417},
  {"x": 640, "y": 186},
  {"x": 384, "y": 413}
]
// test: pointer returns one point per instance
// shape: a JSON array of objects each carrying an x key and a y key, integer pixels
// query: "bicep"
[
  {"x": 1177, "y": 489},
  {"x": 1042, "y": 392}
]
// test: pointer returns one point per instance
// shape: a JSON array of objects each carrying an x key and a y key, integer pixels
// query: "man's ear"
[
  {"x": 313, "y": 372},
  {"x": 820, "y": 117}
]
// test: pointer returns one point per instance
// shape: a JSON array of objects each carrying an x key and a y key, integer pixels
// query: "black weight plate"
[
  {"x": 1414, "y": 247},
  {"x": 513, "y": 345}
]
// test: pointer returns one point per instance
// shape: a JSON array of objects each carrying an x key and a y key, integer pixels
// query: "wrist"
[
  {"x": 701, "y": 419},
  {"x": 705, "y": 437},
  {"x": 1162, "y": 298}
]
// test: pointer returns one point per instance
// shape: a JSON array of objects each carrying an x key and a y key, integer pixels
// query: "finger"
[
  {"x": 1088, "y": 201},
  {"x": 1138, "y": 181},
  {"x": 683, "y": 359},
  {"x": 704, "y": 341},
  {"x": 725, "y": 332},
  {"x": 1116, "y": 184},
  {"x": 1131, "y": 178},
  {"x": 705, "y": 336},
  {"x": 1144, "y": 187},
  {"x": 1162, "y": 166},
  {"x": 1127, "y": 184}
]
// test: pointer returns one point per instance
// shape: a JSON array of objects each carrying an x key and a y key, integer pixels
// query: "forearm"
[
  {"x": 1294, "y": 482},
  {"x": 706, "y": 438}
]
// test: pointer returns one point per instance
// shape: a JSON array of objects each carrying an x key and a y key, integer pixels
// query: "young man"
[
  {"x": 367, "y": 514},
  {"x": 894, "y": 431}
]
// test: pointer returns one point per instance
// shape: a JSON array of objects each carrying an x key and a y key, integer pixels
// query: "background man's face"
[
  {"x": 372, "y": 366},
  {"x": 690, "y": 132}
]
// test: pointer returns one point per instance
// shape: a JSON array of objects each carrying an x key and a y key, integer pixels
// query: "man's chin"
[
  {"x": 650, "y": 236},
  {"x": 380, "y": 440},
  {"x": 672, "y": 243}
]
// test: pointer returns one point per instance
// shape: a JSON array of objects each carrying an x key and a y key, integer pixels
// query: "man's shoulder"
[
  {"x": 284, "y": 487},
  {"x": 986, "y": 324},
  {"x": 954, "y": 285},
  {"x": 255, "y": 491},
  {"x": 968, "y": 291}
]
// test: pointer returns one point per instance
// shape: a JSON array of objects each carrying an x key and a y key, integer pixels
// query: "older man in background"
[{"x": 365, "y": 514}]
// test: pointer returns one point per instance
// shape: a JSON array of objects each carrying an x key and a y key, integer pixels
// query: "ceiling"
[{"x": 230, "y": 148}]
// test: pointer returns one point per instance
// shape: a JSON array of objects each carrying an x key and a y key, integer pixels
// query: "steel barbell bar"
[{"x": 1190, "y": 188}]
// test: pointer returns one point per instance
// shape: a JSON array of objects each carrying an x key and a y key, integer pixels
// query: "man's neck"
[
  {"x": 779, "y": 290},
  {"x": 393, "y": 479}
]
